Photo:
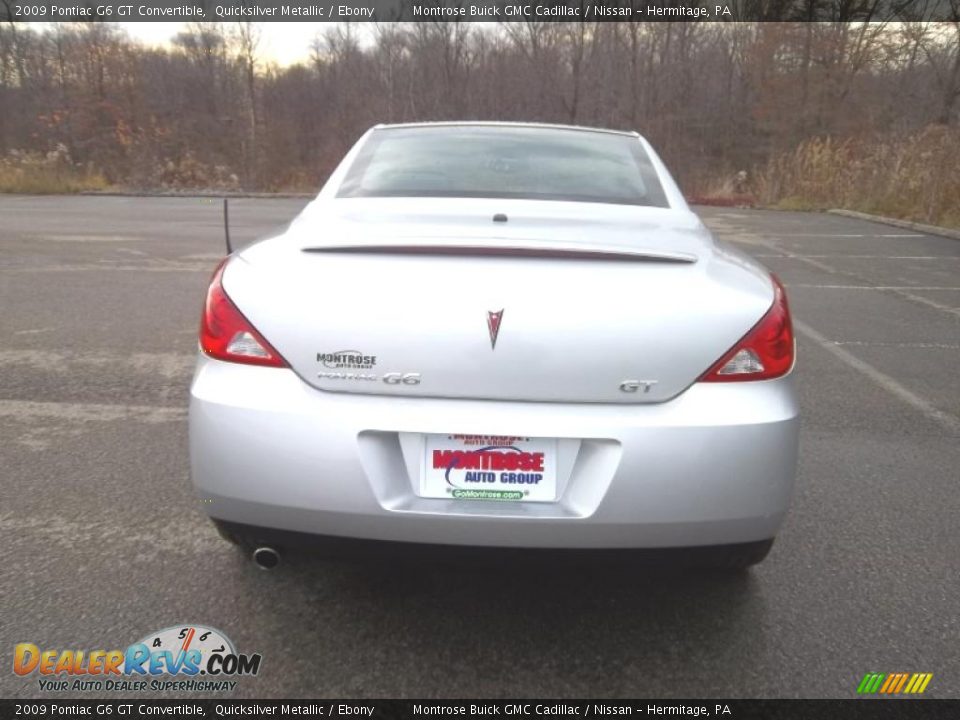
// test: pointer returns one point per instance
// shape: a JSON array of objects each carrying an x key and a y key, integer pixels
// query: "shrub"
[
  {"x": 914, "y": 176},
  {"x": 42, "y": 173}
]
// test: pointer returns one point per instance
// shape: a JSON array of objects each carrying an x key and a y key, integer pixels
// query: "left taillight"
[{"x": 225, "y": 334}]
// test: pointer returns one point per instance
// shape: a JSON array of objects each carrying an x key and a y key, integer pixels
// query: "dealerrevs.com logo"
[{"x": 182, "y": 658}]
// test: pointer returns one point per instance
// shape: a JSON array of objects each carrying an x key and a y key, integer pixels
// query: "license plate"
[{"x": 489, "y": 467}]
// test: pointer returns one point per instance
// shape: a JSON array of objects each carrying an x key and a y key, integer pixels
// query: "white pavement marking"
[
  {"x": 845, "y": 235},
  {"x": 868, "y": 257},
  {"x": 872, "y": 287},
  {"x": 42, "y": 425},
  {"x": 166, "y": 365},
  {"x": 739, "y": 235},
  {"x": 946, "y": 420},
  {"x": 85, "y": 238},
  {"x": 89, "y": 412},
  {"x": 916, "y": 345},
  {"x": 176, "y": 537},
  {"x": 87, "y": 267}
]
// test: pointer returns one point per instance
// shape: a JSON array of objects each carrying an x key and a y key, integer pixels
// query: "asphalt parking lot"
[{"x": 99, "y": 305}]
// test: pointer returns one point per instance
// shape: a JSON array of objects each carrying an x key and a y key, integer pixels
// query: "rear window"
[{"x": 504, "y": 162}]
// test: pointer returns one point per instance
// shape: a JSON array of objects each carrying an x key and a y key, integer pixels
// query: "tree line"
[{"x": 210, "y": 110}]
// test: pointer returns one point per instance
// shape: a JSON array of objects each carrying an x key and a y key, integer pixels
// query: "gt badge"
[
  {"x": 632, "y": 386},
  {"x": 493, "y": 325}
]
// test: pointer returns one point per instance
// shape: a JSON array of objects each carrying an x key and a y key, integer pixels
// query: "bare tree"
[{"x": 247, "y": 39}]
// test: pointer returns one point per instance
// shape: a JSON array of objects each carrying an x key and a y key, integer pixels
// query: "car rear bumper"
[{"x": 713, "y": 466}]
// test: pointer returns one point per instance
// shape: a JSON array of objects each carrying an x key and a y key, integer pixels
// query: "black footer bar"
[{"x": 874, "y": 708}]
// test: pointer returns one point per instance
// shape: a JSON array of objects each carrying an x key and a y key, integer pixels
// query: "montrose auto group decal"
[
  {"x": 490, "y": 467},
  {"x": 346, "y": 359}
]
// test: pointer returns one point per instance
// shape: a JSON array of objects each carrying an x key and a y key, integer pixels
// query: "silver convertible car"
[{"x": 497, "y": 334}]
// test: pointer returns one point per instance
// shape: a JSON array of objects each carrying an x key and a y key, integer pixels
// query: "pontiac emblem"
[{"x": 493, "y": 325}]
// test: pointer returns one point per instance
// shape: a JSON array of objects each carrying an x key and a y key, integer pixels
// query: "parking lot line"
[
  {"x": 169, "y": 365},
  {"x": 848, "y": 235},
  {"x": 165, "y": 267},
  {"x": 871, "y": 287},
  {"x": 182, "y": 537},
  {"x": 89, "y": 412},
  {"x": 938, "y": 258},
  {"x": 901, "y": 291},
  {"x": 946, "y": 420},
  {"x": 914, "y": 345}
]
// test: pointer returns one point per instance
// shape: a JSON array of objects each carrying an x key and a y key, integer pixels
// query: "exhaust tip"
[{"x": 266, "y": 558}]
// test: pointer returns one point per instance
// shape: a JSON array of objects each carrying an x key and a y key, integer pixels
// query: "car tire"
[
  {"x": 227, "y": 534},
  {"x": 738, "y": 557}
]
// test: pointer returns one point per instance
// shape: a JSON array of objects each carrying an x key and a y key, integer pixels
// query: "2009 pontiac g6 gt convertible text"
[{"x": 497, "y": 334}]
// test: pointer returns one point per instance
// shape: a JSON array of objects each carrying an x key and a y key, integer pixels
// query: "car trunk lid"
[{"x": 510, "y": 315}]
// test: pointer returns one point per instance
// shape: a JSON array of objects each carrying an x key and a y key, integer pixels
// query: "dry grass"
[
  {"x": 46, "y": 173},
  {"x": 914, "y": 177},
  {"x": 726, "y": 190}
]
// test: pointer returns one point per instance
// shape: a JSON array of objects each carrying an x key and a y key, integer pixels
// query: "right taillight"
[
  {"x": 766, "y": 352},
  {"x": 225, "y": 334}
]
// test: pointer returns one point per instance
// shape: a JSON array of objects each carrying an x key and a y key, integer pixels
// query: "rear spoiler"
[{"x": 561, "y": 253}]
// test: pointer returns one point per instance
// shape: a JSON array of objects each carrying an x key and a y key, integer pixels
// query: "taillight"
[
  {"x": 226, "y": 334},
  {"x": 763, "y": 353}
]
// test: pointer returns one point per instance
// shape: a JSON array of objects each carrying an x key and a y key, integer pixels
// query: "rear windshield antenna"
[{"x": 226, "y": 225}]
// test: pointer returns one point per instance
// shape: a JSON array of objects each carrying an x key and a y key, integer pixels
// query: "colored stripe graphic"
[
  {"x": 901, "y": 681},
  {"x": 870, "y": 683},
  {"x": 894, "y": 683},
  {"x": 890, "y": 681}
]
